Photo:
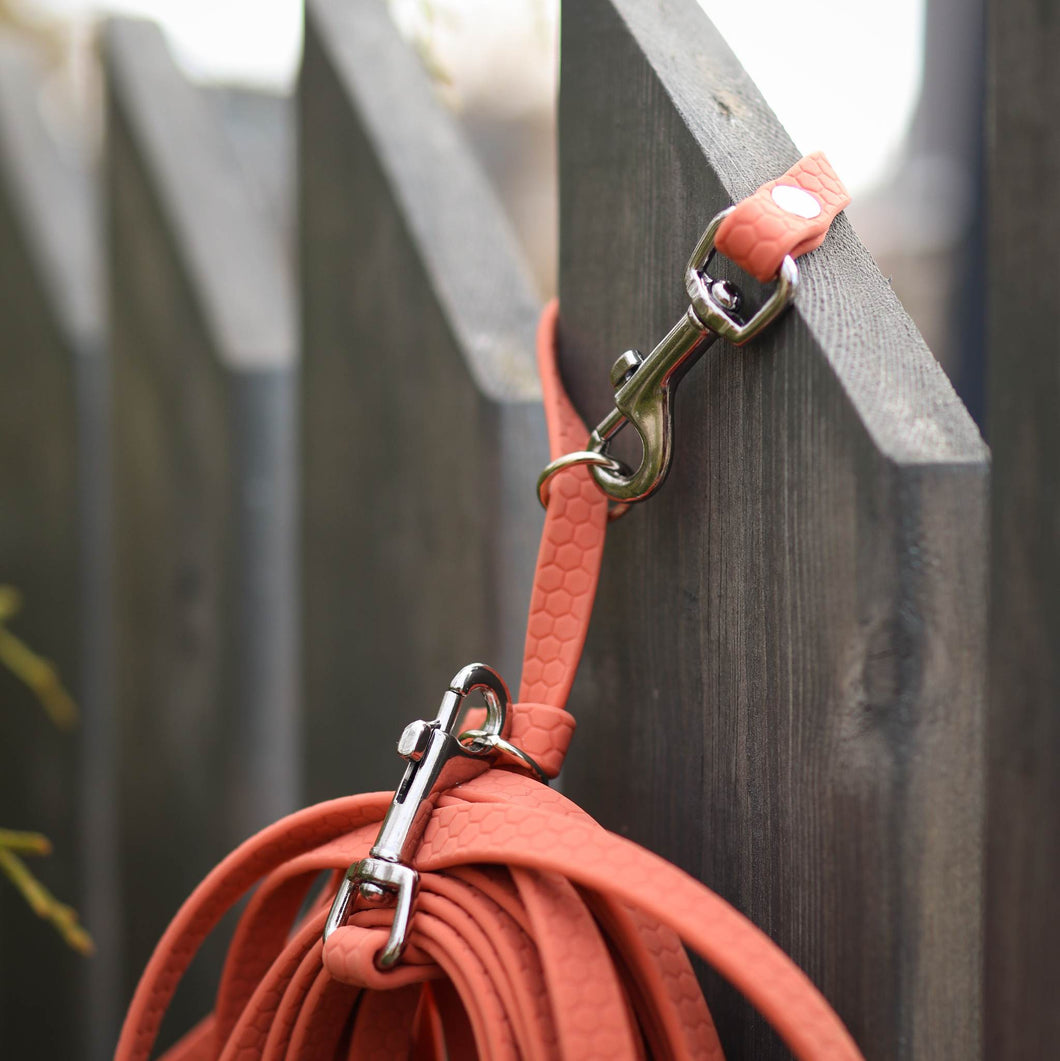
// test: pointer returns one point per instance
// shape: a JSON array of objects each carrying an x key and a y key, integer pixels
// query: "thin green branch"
[
  {"x": 62, "y": 917},
  {"x": 23, "y": 843},
  {"x": 36, "y": 672},
  {"x": 10, "y": 602},
  {"x": 41, "y": 677}
]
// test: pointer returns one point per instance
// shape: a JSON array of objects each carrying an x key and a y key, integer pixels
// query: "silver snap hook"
[
  {"x": 645, "y": 385},
  {"x": 437, "y": 758}
]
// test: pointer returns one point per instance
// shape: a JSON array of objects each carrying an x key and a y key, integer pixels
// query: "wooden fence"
[{"x": 270, "y": 430}]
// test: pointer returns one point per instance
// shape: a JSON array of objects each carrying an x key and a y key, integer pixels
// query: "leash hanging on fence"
[{"x": 475, "y": 912}]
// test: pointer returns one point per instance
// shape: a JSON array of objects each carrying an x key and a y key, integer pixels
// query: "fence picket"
[
  {"x": 1022, "y": 942},
  {"x": 203, "y": 337},
  {"x": 782, "y": 689},
  {"x": 421, "y": 432}
]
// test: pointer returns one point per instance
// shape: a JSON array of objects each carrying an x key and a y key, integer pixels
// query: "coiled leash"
[{"x": 475, "y": 912}]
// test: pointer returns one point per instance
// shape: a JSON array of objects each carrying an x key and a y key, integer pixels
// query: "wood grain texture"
[
  {"x": 783, "y": 686},
  {"x": 204, "y": 340},
  {"x": 50, "y": 526},
  {"x": 420, "y": 424},
  {"x": 1022, "y": 960}
]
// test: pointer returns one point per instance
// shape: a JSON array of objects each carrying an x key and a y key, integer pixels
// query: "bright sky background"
[
  {"x": 856, "y": 100},
  {"x": 855, "y": 103}
]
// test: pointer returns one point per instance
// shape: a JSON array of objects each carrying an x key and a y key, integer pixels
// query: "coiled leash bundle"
[{"x": 475, "y": 912}]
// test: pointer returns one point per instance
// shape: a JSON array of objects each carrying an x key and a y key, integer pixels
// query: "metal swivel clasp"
[
  {"x": 644, "y": 386},
  {"x": 438, "y": 758}
]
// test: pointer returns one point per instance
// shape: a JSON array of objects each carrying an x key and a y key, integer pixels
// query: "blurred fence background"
[{"x": 268, "y": 433}]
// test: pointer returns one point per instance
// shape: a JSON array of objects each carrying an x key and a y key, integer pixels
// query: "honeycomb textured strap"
[
  {"x": 572, "y": 544},
  {"x": 790, "y": 215}
]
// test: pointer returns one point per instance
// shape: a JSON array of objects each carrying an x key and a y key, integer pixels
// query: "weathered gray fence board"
[
  {"x": 420, "y": 429},
  {"x": 51, "y": 525},
  {"x": 1022, "y": 946},
  {"x": 782, "y": 689},
  {"x": 203, "y": 338}
]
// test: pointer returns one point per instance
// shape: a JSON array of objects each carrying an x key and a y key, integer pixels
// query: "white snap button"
[{"x": 796, "y": 201}]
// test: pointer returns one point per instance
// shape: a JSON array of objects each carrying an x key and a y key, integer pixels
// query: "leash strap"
[
  {"x": 572, "y": 545},
  {"x": 536, "y": 933}
]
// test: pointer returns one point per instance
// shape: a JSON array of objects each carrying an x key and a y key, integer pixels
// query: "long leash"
[{"x": 476, "y": 912}]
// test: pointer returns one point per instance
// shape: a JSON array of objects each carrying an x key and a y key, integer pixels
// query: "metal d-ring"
[
  {"x": 481, "y": 738},
  {"x": 572, "y": 460}
]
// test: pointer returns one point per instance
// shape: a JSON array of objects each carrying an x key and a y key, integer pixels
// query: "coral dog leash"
[{"x": 475, "y": 912}]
